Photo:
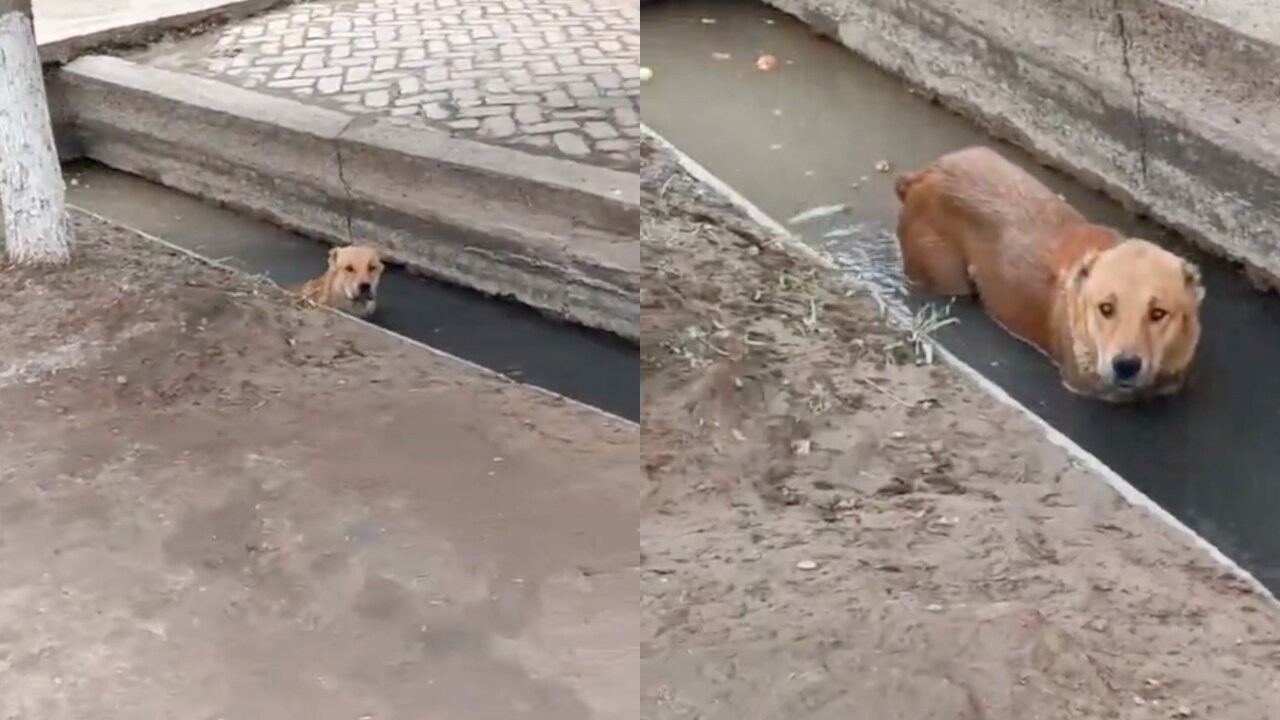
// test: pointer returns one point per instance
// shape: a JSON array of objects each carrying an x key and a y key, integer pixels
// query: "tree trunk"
[{"x": 32, "y": 194}]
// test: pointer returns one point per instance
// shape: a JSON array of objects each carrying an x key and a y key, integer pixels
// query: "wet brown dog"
[
  {"x": 1120, "y": 317},
  {"x": 350, "y": 283}
]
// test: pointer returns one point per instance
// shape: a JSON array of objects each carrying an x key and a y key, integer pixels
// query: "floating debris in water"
[
  {"x": 708, "y": 21},
  {"x": 883, "y": 166},
  {"x": 842, "y": 232},
  {"x": 817, "y": 212},
  {"x": 777, "y": 112},
  {"x": 721, "y": 56},
  {"x": 646, "y": 74},
  {"x": 807, "y": 565},
  {"x": 765, "y": 63}
]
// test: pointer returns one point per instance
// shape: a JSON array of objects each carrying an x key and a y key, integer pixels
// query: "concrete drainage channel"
[
  {"x": 813, "y": 132},
  {"x": 592, "y": 367},
  {"x": 554, "y": 234},
  {"x": 475, "y": 221}
]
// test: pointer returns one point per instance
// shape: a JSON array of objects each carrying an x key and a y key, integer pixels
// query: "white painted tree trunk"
[{"x": 32, "y": 193}]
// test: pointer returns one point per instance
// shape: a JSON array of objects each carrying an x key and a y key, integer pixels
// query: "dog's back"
[
  {"x": 989, "y": 190},
  {"x": 973, "y": 221}
]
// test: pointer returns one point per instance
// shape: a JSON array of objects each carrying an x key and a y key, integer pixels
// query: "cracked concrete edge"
[
  {"x": 342, "y": 178},
  {"x": 1158, "y": 107},
  {"x": 900, "y": 319},
  {"x": 132, "y": 34},
  {"x": 1135, "y": 89},
  {"x": 446, "y": 208}
]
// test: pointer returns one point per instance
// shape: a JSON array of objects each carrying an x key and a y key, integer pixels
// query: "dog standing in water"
[
  {"x": 350, "y": 283},
  {"x": 1119, "y": 316}
]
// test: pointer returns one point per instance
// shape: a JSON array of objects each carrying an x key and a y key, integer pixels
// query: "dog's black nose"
[
  {"x": 1126, "y": 367},
  {"x": 364, "y": 288}
]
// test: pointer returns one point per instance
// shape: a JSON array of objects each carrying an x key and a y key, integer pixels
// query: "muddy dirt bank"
[
  {"x": 832, "y": 530},
  {"x": 216, "y": 505}
]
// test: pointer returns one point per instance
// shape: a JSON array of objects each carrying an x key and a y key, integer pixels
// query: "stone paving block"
[{"x": 558, "y": 75}]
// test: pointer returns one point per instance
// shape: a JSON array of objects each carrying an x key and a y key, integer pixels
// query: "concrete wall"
[
  {"x": 64, "y": 134},
  {"x": 1172, "y": 112}
]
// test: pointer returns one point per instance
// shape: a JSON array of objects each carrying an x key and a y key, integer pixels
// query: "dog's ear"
[
  {"x": 1191, "y": 274},
  {"x": 1081, "y": 271},
  {"x": 333, "y": 256}
]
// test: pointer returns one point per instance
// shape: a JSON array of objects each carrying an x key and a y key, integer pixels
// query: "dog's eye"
[
  {"x": 350, "y": 268},
  {"x": 1107, "y": 309},
  {"x": 373, "y": 268},
  {"x": 1156, "y": 314}
]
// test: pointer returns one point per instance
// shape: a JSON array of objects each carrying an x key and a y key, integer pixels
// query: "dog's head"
[
  {"x": 1135, "y": 317},
  {"x": 355, "y": 271}
]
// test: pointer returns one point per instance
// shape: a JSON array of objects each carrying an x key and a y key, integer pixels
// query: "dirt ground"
[
  {"x": 833, "y": 531},
  {"x": 216, "y": 505}
]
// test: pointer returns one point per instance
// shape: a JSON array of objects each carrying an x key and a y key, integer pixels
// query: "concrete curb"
[
  {"x": 556, "y": 235},
  {"x": 1156, "y": 103},
  {"x": 63, "y": 49}
]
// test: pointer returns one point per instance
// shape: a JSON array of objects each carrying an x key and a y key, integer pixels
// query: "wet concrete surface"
[
  {"x": 592, "y": 367},
  {"x": 811, "y": 133},
  {"x": 60, "y": 19}
]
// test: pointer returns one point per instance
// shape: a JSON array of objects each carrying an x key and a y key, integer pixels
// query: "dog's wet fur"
[
  {"x": 1120, "y": 316},
  {"x": 350, "y": 283}
]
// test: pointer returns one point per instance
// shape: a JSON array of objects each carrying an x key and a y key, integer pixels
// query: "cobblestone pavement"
[{"x": 554, "y": 76}]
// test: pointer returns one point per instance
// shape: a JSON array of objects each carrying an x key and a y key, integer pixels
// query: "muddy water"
[
  {"x": 594, "y": 368},
  {"x": 811, "y": 133}
]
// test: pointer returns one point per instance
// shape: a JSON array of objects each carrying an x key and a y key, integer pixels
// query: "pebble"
[
  {"x": 122, "y": 380},
  {"x": 807, "y": 565},
  {"x": 646, "y": 74}
]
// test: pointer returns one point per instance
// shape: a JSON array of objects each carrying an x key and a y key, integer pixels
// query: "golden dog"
[
  {"x": 350, "y": 283},
  {"x": 1120, "y": 317}
]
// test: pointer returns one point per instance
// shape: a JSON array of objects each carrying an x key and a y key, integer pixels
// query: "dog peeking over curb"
[
  {"x": 350, "y": 283},
  {"x": 1119, "y": 316}
]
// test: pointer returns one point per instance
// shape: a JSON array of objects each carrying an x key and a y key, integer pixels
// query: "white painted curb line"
[
  {"x": 1131, "y": 494},
  {"x": 435, "y": 351}
]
